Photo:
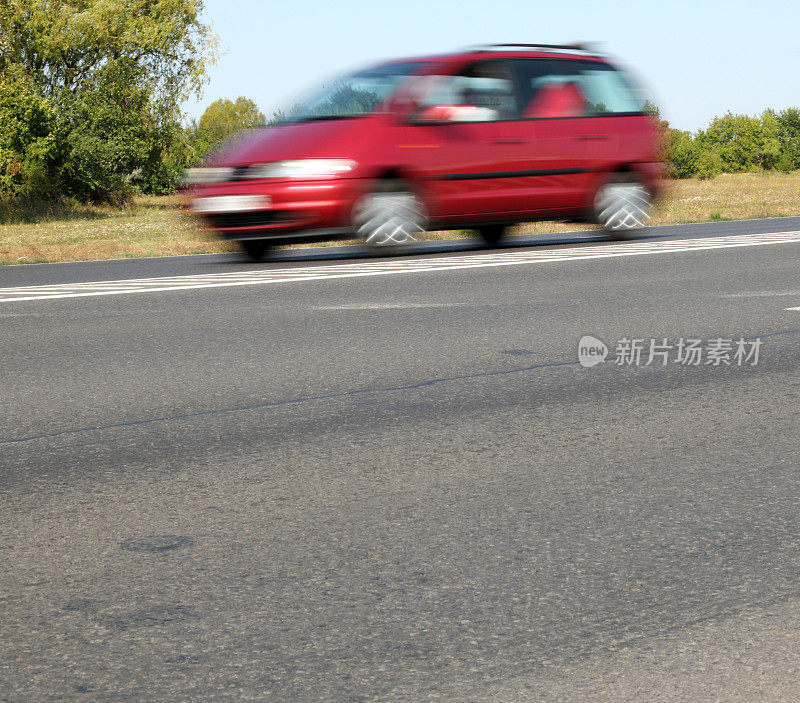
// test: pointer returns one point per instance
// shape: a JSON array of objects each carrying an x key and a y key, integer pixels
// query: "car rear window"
[{"x": 574, "y": 88}]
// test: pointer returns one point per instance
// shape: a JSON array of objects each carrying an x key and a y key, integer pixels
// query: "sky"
[{"x": 698, "y": 59}]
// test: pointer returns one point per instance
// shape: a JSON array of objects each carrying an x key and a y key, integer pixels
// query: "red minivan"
[{"x": 476, "y": 140}]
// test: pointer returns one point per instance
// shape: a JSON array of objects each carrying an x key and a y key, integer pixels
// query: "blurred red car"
[{"x": 475, "y": 140}]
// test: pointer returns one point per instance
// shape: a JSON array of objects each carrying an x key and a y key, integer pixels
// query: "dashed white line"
[{"x": 387, "y": 268}]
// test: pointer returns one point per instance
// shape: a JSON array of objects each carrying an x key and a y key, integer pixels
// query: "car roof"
[
  {"x": 561, "y": 51},
  {"x": 583, "y": 49}
]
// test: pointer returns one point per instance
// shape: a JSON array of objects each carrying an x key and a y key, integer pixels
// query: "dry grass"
[
  {"x": 159, "y": 226},
  {"x": 151, "y": 226},
  {"x": 737, "y": 196}
]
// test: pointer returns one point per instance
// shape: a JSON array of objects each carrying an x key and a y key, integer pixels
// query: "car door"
[
  {"x": 462, "y": 158},
  {"x": 555, "y": 149}
]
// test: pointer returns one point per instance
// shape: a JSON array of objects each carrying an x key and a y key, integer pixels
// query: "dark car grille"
[{"x": 224, "y": 220}]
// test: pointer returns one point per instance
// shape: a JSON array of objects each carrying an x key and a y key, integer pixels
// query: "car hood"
[{"x": 337, "y": 138}]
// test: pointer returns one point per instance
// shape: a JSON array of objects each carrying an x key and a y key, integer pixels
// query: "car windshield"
[{"x": 352, "y": 95}]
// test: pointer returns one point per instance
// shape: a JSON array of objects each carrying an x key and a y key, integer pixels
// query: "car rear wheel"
[
  {"x": 391, "y": 215},
  {"x": 255, "y": 248},
  {"x": 622, "y": 205}
]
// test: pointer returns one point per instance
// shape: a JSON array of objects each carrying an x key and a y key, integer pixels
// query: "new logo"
[{"x": 591, "y": 351}]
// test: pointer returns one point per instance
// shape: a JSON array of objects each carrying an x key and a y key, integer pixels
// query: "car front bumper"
[{"x": 278, "y": 210}]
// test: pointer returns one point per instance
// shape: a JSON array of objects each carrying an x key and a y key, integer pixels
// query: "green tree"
[
  {"x": 222, "y": 120},
  {"x": 114, "y": 73},
  {"x": 62, "y": 43},
  {"x": 788, "y": 134}
]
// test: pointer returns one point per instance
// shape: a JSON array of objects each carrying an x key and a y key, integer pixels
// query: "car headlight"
[
  {"x": 301, "y": 168},
  {"x": 196, "y": 176}
]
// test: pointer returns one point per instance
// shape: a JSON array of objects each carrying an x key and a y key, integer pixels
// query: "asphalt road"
[{"x": 396, "y": 482}]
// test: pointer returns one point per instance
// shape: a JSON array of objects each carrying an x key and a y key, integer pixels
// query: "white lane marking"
[
  {"x": 762, "y": 294},
  {"x": 794, "y": 309},
  {"x": 387, "y": 268},
  {"x": 388, "y": 306}
]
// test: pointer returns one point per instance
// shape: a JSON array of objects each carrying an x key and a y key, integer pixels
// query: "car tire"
[
  {"x": 492, "y": 235},
  {"x": 622, "y": 205},
  {"x": 256, "y": 249},
  {"x": 389, "y": 215}
]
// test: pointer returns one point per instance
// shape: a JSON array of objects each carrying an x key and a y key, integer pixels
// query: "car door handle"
[
  {"x": 592, "y": 137},
  {"x": 508, "y": 141}
]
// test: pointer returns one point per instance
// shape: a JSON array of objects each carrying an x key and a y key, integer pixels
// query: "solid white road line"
[
  {"x": 762, "y": 294},
  {"x": 387, "y": 268}
]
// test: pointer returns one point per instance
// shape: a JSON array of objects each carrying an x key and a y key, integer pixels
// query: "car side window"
[
  {"x": 484, "y": 92},
  {"x": 607, "y": 90},
  {"x": 570, "y": 88}
]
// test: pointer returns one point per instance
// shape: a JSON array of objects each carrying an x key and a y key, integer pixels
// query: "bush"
[
  {"x": 682, "y": 153},
  {"x": 734, "y": 140},
  {"x": 27, "y": 140},
  {"x": 709, "y": 164},
  {"x": 115, "y": 141}
]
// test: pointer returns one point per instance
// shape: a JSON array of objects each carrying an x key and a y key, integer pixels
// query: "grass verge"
[{"x": 160, "y": 226}]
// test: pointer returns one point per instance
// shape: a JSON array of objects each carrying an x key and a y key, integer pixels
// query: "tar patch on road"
[
  {"x": 156, "y": 544},
  {"x": 153, "y": 616}
]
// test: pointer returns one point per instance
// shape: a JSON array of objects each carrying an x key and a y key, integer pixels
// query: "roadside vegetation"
[
  {"x": 91, "y": 94},
  {"x": 735, "y": 144},
  {"x": 161, "y": 226}
]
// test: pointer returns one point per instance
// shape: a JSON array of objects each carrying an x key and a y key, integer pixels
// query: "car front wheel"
[
  {"x": 492, "y": 235},
  {"x": 255, "y": 248},
  {"x": 390, "y": 215}
]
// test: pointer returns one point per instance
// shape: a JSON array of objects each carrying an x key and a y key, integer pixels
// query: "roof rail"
[{"x": 583, "y": 47}]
